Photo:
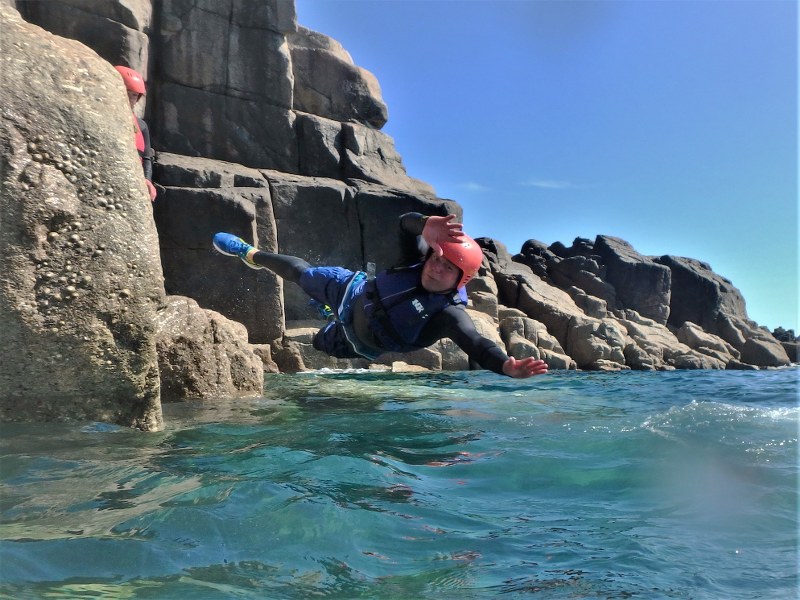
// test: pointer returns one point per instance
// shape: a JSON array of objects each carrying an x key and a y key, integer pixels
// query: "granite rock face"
[
  {"x": 323, "y": 221},
  {"x": 81, "y": 277}
]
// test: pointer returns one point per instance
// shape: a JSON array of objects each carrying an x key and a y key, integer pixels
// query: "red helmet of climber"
[
  {"x": 466, "y": 255},
  {"x": 133, "y": 81}
]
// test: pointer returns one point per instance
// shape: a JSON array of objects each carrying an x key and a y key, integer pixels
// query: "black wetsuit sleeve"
[
  {"x": 147, "y": 155},
  {"x": 412, "y": 222},
  {"x": 414, "y": 247},
  {"x": 454, "y": 323}
]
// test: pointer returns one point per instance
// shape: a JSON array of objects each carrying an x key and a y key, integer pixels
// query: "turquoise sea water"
[{"x": 449, "y": 485}]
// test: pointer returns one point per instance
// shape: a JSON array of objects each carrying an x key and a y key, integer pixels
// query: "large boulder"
[
  {"x": 706, "y": 343},
  {"x": 641, "y": 284},
  {"x": 699, "y": 295},
  {"x": 242, "y": 45},
  {"x": 202, "y": 123},
  {"x": 764, "y": 352},
  {"x": 81, "y": 274},
  {"x": 537, "y": 256},
  {"x": 596, "y": 344},
  {"x": 584, "y": 273},
  {"x": 203, "y": 355},
  {"x": 319, "y": 146},
  {"x": 371, "y": 155}
]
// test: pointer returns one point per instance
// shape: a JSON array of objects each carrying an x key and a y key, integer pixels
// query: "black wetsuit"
[{"x": 145, "y": 153}]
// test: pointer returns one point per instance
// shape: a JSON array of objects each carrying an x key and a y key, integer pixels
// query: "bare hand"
[
  {"x": 441, "y": 229},
  {"x": 151, "y": 190},
  {"x": 527, "y": 367}
]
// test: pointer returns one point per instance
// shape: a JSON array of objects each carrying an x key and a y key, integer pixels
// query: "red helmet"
[
  {"x": 133, "y": 81},
  {"x": 466, "y": 255}
]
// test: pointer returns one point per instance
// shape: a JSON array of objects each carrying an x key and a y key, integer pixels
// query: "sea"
[{"x": 446, "y": 485}]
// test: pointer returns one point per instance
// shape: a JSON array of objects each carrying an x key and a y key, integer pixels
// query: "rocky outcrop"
[
  {"x": 789, "y": 341},
  {"x": 328, "y": 84},
  {"x": 229, "y": 199},
  {"x": 257, "y": 136},
  {"x": 81, "y": 277},
  {"x": 690, "y": 315}
]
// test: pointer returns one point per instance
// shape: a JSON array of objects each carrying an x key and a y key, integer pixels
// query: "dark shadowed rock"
[
  {"x": 316, "y": 219},
  {"x": 224, "y": 83},
  {"x": 711, "y": 301},
  {"x": 319, "y": 143},
  {"x": 187, "y": 219},
  {"x": 536, "y": 255},
  {"x": 250, "y": 132},
  {"x": 586, "y": 274},
  {"x": 499, "y": 257},
  {"x": 699, "y": 295},
  {"x": 640, "y": 283},
  {"x": 792, "y": 350},
  {"x": 379, "y": 209},
  {"x": 580, "y": 247}
]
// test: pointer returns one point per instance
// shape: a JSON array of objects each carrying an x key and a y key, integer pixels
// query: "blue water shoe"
[{"x": 229, "y": 244}]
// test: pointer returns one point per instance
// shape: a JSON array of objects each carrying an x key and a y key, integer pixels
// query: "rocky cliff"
[{"x": 268, "y": 130}]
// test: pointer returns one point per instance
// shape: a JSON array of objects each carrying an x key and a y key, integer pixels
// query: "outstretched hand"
[
  {"x": 441, "y": 229},
  {"x": 527, "y": 367}
]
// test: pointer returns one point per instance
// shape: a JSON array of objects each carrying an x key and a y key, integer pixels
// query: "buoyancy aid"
[
  {"x": 138, "y": 137},
  {"x": 398, "y": 307}
]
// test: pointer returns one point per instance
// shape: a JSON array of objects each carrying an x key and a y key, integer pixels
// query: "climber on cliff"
[
  {"x": 400, "y": 310},
  {"x": 134, "y": 84}
]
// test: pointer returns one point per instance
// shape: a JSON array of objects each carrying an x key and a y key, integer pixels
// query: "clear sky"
[{"x": 671, "y": 124}]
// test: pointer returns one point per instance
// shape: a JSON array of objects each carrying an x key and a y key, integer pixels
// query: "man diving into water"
[{"x": 401, "y": 309}]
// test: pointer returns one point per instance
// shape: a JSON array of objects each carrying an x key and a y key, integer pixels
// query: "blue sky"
[{"x": 671, "y": 124}]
